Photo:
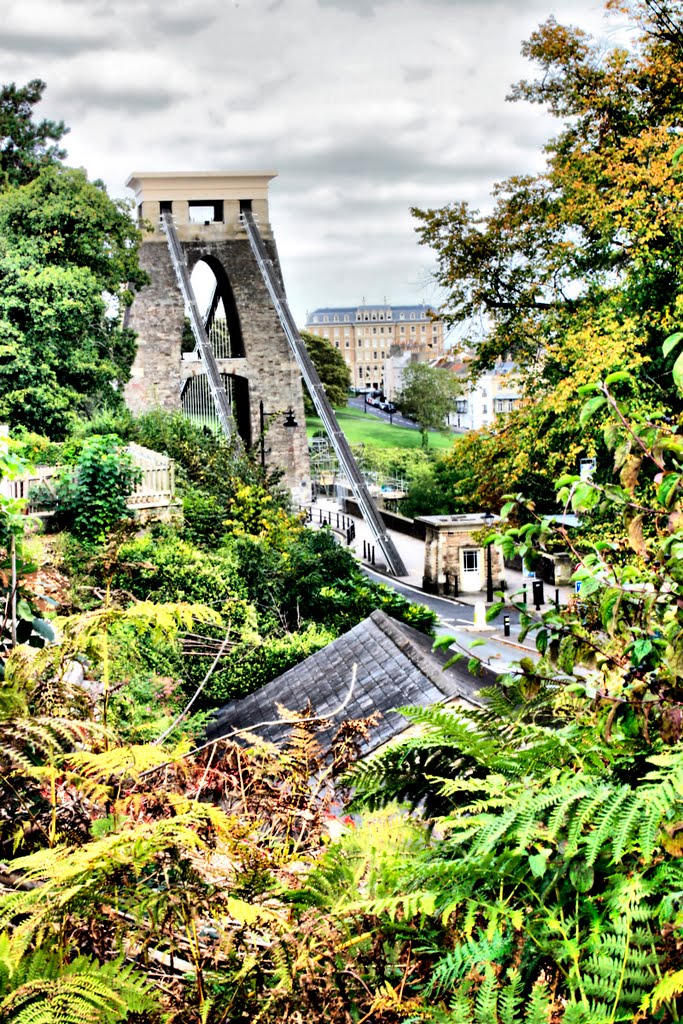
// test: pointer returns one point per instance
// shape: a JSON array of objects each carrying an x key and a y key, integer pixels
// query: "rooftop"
[{"x": 396, "y": 666}]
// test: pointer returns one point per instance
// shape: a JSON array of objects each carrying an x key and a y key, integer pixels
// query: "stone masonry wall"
[{"x": 157, "y": 316}]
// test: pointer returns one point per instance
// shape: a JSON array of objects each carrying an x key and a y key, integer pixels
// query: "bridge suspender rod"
[
  {"x": 220, "y": 399},
  {"x": 320, "y": 400}
]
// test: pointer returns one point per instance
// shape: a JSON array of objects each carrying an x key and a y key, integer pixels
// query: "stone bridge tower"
[{"x": 254, "y": 359}]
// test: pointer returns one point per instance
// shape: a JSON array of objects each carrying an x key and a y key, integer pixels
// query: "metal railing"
[{"x": 320, "y": 400}]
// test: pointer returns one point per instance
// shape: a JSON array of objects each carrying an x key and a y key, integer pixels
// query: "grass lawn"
[{"x": 364, "y": 428}]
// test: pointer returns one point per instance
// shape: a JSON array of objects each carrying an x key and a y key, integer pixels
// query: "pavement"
[{"x": 463, "y": 617}]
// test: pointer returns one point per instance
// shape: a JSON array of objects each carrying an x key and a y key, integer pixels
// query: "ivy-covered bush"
[{"x": 92, "y": 499}]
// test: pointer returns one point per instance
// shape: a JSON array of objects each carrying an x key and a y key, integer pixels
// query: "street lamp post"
[
  {"x": 488, "y": 519},
  {"x": 289, "y": 423}
]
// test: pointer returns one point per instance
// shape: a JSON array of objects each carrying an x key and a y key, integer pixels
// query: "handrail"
[{"x": 320, "y": 400}]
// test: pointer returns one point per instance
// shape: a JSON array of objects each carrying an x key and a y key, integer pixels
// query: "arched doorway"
[
  {"x": 197, "y": 403},
  {"x": 215, "y": 299},
  {"x": 212, "y": 288}
]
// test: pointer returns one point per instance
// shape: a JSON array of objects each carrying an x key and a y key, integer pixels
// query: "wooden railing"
[{"x": 156, "y": 489}]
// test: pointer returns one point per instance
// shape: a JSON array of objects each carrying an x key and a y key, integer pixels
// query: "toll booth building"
[{"x": 455, "y": 559}]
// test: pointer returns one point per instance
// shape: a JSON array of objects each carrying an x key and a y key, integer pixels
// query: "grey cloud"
[
  {"x": 411, "y": 75},
  {"x": 254, "y": 99},
  {"x": 138, "y": 99},
  {"x": 182, "y": 24},
  {"x": 385, "y": 163},
  {"x": 52, "y": 44}
]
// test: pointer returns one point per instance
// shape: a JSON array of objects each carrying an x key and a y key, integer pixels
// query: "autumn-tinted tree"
[
  {"x": 576, "y": 272},
  {"x": 332, "y": 370},
  {"x": 600, "y": 223},
  {"x": 26, "y": 145}
]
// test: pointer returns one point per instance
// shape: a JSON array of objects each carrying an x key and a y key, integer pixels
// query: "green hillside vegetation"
[
  {"x": 519, "y": 863},
  {"x": 364, "y": 428}
]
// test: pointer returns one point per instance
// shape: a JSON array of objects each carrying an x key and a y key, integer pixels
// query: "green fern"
[{"x": 42, "y": 990}]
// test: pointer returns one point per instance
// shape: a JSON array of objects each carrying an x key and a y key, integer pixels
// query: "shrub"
[
  {"x": 93, "y": 499},
  {"x": 171, "y": 569},
  {"x": 248, "y": 667}
]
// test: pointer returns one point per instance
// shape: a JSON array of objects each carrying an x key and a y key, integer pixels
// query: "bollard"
[
  {"x": 557, "y": 598},
  {"x": 506, "y": 625},
  {"x": 373, "y": 554},
  {"x": 524, "y": 594},
  {"x": 364, "y": 551},
  {"x": 538, "y": 596}
]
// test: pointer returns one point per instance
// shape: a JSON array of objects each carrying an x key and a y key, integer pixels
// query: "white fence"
[{"x": 155, "y": 490}]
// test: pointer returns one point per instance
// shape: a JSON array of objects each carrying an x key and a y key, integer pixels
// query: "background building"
[{"x": 365, "y": 336}]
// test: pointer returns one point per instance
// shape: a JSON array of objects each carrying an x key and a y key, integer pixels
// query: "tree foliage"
[
  {"x": 332, "y": 370},
  {"x": 26, "y": 146},
  {"x": 68, "y": 259},
  {"x": 428, "y": 394}
]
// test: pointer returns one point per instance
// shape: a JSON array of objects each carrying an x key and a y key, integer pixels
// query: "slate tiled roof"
[{"x": 395, "y": 666}]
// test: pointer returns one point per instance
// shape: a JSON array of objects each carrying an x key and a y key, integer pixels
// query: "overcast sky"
[{"x": 364, "y": 107}]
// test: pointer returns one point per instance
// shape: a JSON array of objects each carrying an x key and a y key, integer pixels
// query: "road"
[
  {"x": 457, "y": 620},
  {"x": 358, "y": 402}
]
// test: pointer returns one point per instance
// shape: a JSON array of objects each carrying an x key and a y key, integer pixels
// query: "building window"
[
  {"x": 470, "y": 561},
  {"x": 461, "y": 405},
  {"x": 347, "y": 343},
  {"x": 403, "y": 316},
  {"x": 412, "y": 329},
  {"x": 412, "y": 316},
  {"x": 485, "y": 409},
  {"x": 360, "y": 343},
  {"x": 423, "y": 328},
  {"x": 374, "y": 330},
  {"x": 346, "y": 318},
  {"x": 403, "y": 330},
  {"x": 336, "y": 344},
  {"x": 326, "y": 319}
]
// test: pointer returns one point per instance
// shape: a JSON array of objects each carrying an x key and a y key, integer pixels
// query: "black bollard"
[{"x": 506, "y": 625}]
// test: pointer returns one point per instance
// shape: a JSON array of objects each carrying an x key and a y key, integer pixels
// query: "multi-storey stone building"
[{"x": 365, "y": 335}]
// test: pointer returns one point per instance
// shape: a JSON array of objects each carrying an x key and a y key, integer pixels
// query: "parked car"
[
  {"x": 386, "y": 406},
  {"x": 372, "y": 398}
]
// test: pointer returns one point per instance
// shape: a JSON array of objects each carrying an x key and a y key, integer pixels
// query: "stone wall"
[{"x": 157, "y": 316}]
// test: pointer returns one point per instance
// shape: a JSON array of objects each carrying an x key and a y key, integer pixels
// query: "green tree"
[
  {"x": 428, "y": 394},
  {"x": 26, "y": 146},
  {"x": 68, "y": 262},
  {"x": 332, "y": 370}
]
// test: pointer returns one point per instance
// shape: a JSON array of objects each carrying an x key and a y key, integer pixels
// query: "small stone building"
[{"x": 455, "y": 559}]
